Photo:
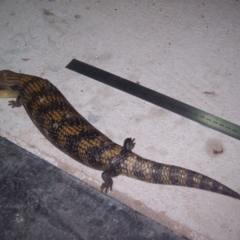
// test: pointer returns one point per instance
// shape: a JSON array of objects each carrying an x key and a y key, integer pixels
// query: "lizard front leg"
[{"x": 17, "y": 103}]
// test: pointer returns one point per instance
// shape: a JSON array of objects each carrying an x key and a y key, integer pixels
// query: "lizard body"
[{"x": 70, "y": 132}]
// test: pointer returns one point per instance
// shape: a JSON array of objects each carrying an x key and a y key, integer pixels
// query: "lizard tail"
[{"x": 153, "y": 172}]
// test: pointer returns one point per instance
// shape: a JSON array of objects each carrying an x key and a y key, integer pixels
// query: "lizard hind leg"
[
  {"x": 129, "y": 144},
  {"x": 107, "y": 178}
]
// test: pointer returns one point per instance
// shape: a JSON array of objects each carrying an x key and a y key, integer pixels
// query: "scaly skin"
[{"x": 70, "y": 132}]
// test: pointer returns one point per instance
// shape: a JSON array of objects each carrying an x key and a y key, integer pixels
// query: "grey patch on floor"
[
  {"x": 92, "y": 118},
  {"x": 40, "y": 201}
]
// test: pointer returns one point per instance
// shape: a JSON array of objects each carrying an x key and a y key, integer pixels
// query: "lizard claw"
[
  {"x": 12, "y": 103},
  {"x": 106, "y": 187}
]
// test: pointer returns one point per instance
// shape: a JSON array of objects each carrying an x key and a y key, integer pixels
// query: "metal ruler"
[{"x": 157, "y": 98}]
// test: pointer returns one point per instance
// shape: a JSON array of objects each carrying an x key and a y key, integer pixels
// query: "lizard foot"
[
  {"x": 107, "y": 178},
  {"x": 106, "y": 187},
  {"x": 129, "y": 144},
  {"x": 17, "y": 103}
]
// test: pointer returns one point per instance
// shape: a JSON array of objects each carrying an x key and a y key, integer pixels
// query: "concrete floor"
[
  {"x": 184, "y": 49},
  {"x": 39, "y": 201}
]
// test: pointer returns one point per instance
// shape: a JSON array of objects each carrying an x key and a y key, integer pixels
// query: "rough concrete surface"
[{"x": 40, "y": 201}]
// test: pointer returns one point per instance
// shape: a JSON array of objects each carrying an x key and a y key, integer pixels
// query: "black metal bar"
[{"x": 157, "y": 98}]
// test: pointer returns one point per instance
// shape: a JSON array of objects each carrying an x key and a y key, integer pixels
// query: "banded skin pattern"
[{"x": 70, "y": 132}]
